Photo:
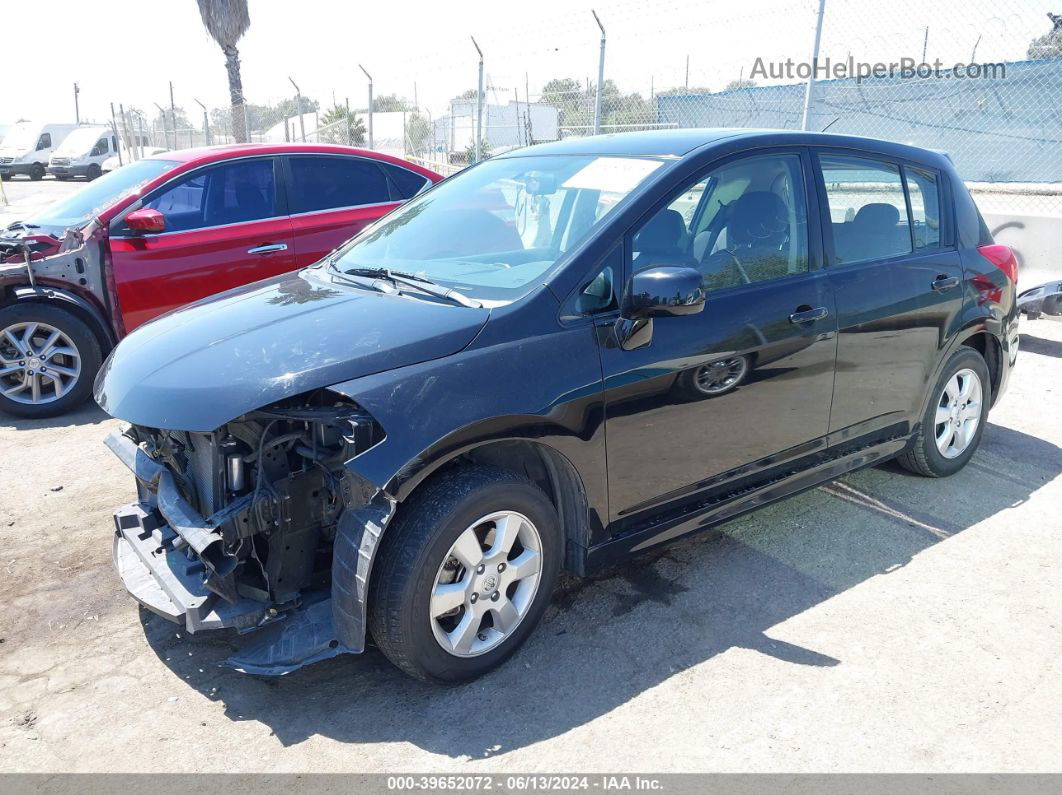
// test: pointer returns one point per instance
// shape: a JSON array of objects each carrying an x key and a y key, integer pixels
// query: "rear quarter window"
[{"x": 406, "y": 182}]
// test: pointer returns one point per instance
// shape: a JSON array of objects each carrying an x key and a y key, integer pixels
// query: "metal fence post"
[
  {"x": 479, "y": 102},
  {"x": 814, "y": 66},
  {"x": 298, "y": 109},
  {"x": 117, "y": 138},
  {"x": 369, "y": 110},
  {"x": 600, "y": 76}
]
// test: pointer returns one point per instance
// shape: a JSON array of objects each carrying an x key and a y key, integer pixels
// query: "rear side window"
[
  {"x": 232, "y": 193},
  {"x": 868, "y": 212},
  {"x": 327, "y": 183},
  {"x": 407, "y": 183},
  {"x": 925, "y": 207}
]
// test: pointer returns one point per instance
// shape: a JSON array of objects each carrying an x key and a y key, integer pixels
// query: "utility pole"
[
  {"x": 206, "y": 122},
  {"x": 173, "y": 116},
  {"x": 814, "y": 66},
  {"x": 687, "y": 72},
  {"x": 369, "y": 111},
  {"x": 479, "y": 101},
  {"x": 925, "y": 44},
  {"x": 77, "y": 109},
  {"x": 298, "y": 109},
  {"x": 600, "y": 76}
]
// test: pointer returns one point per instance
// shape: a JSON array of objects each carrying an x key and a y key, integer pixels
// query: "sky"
[{"x": 127, "y": 52}]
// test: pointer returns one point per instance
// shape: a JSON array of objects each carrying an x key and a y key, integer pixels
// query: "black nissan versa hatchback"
[{"x": 555, "y": 359}]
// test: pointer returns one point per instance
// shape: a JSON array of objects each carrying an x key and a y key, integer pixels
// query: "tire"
[
  {"x": 94, "y": 172},
  {"x": 924, "y": 455},
  {"x": 74, "y": 335},
  {"x": 712, "y": 380},
  {"x": 418, "y": 554},
  {"x": 37, "y": 172}
]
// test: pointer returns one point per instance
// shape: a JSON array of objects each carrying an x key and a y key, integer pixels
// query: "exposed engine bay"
[{"x": 236, "y": 528}]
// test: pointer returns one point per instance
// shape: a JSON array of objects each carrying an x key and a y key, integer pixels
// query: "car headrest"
[
  {"x": 758, "y": 217},
  {"x": 877, "y": 217},
  {"x": 663, "y": 233}
]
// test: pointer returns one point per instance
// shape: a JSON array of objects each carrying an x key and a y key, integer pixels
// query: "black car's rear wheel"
[
  {"x": 48, "y": 358},
  {"x": 954, "y": 421},
  {"x": 464, "y": 574}
]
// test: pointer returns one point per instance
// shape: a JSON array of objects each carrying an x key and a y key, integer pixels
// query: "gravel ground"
[{"x": 881, "y": 623}]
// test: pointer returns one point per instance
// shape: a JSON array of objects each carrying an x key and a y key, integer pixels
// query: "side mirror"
[
  {"x": 662, "y": 292},
  {"x": 146, "y": 220}
]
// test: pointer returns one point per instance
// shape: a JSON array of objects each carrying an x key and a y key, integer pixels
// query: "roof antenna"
[{"x": 828, "y": 126}]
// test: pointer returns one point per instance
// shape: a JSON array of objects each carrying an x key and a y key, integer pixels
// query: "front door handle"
[
  {"x": 809, "y": 315},
  {"x": 269, "y": 248},
  {"x": 942, "y": 282}
]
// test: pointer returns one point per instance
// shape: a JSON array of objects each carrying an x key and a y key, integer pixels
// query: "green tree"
[
  {"x": 740, "y": 83},
  {"x": 484, "y": 151},
  {"x": 418, "y": 133},
  {"x": 1050, "y": 44},
  {"x": 386, "y": 103},
  {"x": 352, "y": 133},
  {"x": 226, "y": 21}
]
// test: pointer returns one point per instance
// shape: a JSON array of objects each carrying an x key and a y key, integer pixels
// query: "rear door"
[
  {"x": 896, "y": 278},
  {"x": 333, "y": 197},
  {"x": 226, "y": 225}
]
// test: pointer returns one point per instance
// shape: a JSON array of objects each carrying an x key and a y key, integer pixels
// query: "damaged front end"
[{"x": 242, "y": 527}]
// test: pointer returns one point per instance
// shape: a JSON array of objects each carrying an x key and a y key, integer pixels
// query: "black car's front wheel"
[
  {"x": 464, "y": 574},
  {"x": 951, "y": 428}
]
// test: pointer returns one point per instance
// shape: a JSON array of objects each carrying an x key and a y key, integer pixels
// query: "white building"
[{"x": 504, "y": 126}]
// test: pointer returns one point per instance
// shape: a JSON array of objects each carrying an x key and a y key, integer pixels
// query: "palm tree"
[{"x": 226, "y": 21}]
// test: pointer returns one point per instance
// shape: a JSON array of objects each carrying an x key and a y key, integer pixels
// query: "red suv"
[{"x": 166, "y": 231}]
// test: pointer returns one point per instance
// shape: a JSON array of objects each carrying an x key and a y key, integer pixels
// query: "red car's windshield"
[{"x": 78, "y": 208}]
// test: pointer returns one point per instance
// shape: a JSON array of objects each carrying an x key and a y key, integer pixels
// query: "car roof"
[
  {"x": 210, "y": 154},
  {"x": 679, "y": 143}
]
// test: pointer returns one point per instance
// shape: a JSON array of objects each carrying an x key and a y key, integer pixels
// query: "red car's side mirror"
[{"x": 146, "y": 220}]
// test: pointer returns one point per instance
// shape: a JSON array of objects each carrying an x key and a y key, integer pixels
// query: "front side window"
[
  {"x": 45, "y": 142},
  {"x": 495, "y": 230},
  {"x": 100, "y": 148},
  {"x": 744, "y": 222},
  {"x": 327, "y": 183},
  {"x": 231, "y": 193},
  {"x": 868, "y": 212}
]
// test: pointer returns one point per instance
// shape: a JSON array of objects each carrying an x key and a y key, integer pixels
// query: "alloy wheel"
[
  {"x": 486, "y": 584},
  {"x": 958, "y": 413},
  {"x": 721, "y": 376},
  {"x": 38, "y": 363}
]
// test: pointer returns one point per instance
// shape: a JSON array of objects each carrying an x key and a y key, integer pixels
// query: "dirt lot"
[{"x": 882, "y": 623}]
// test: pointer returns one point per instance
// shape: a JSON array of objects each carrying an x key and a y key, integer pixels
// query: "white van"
[
  {"x": 28, "y": 147},
  {"x": 81, "y": 154}
]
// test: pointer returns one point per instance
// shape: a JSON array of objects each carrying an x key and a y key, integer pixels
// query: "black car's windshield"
[
  {"x": 78, "y": 208},
  {"x": 494, "y": 230}
]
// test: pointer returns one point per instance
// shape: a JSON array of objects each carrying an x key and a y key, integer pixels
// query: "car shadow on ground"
[
  {"x": 1041, "y": 346},
  {"x": 86, "y": 414},
  {"x": 610, "y": 638}
]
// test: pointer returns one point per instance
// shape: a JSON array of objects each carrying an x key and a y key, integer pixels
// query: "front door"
[
  {"x": 897, "y": 281},
  {"x": 224, "y": 228},
  {"x": 743, "y": 386}
]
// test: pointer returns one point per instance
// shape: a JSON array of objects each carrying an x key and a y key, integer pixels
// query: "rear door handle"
[
  {"x": 809, "y": 315},
  {"x": 269, "y": 248},
  {"x": 942, "y": 283}
]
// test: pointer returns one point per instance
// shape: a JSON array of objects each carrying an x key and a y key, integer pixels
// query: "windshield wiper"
[{"x": 416, "y": 282}]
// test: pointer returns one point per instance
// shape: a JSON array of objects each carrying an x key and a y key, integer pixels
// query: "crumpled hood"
[{"x": 199, "y": 367}]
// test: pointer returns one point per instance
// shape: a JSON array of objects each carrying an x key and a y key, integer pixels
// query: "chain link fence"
[{"x": 980, "y": 79}]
